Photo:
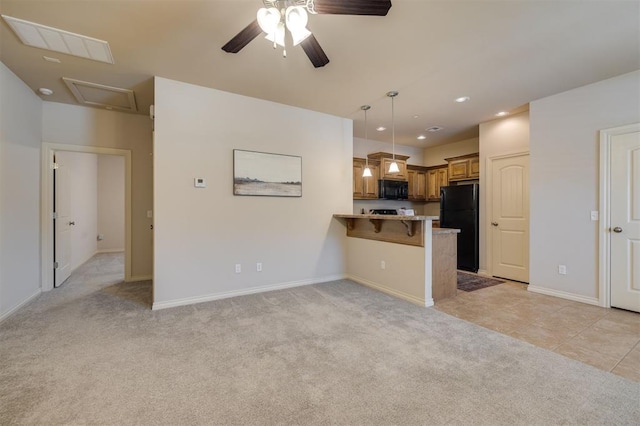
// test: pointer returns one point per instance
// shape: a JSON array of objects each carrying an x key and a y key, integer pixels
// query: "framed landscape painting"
[{"x": 263, "y": 174}]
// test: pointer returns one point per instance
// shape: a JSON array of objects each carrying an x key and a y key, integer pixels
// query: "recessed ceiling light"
[
  {"x": 434, "y": 129},
  {"x": 381, "y": 128},
  {"x": 44, "y": 91},
  {"x": 422, "y": 137},
  {"x": 416, "y": 116},
  {"x": 501, "y": 114},
  {"x": 462, "y": 99},
  {"x": 50, "y": 59}
]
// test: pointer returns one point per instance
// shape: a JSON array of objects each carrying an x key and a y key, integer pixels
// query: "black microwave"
[{"x": 393, "y": 189}]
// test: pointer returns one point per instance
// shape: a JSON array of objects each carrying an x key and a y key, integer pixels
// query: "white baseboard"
[
  {"x": 243, "y": 292},
  {"x": 136, "y": 278},
  {"x": 564, "y": 295},
  {"x": 393, "y": 292},
  {"x": 19, "y": 306},
  {"x": 484, "y": 273},
  {"x": 120, "y": 250}
]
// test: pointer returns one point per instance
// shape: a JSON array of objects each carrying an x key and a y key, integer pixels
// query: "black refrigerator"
[{"x": 459, "y": 209}]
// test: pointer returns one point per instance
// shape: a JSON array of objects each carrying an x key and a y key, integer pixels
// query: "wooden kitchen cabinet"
[
  {"x": 385, "y": 159},
  {"x": 364, "y": 188},
  {"x": 464, "y": 167},
  {"x": 417, "y": 177},
  {"x": 437, "y": 177}
]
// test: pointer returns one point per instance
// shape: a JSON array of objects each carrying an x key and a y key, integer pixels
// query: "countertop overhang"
[{"x": 384, "y": 217}]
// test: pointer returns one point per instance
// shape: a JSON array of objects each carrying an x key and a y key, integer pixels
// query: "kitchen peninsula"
[{"x": 402, "y": 255}]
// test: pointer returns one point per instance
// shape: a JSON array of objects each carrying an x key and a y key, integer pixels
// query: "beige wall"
[
  {"x": 201, "y": 233},
  {"x": 436, "y": 155},
  {"x": 503, "y": 136},
  {"x": 564, "y": 180},
  {"x": 111, "y": 202},
  {"x": 406, "y": 267},
  {"x": 362, "y": 147},
  {"x": 70, "y": 124},
  {"x": 20, "y": 139}
]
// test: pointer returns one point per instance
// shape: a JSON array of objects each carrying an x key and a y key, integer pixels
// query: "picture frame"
[{"x": 266, "y": 175}]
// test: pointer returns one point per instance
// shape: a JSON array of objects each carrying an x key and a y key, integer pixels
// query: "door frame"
[
  {"x": 489, "y": 208},
  {"x": 46, "y": 205},
  {"x": 604, "y": 244}
]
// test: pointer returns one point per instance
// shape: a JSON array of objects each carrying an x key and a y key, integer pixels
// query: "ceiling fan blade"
[
  {"x": 243, "y": 38},
  {"x": 352, "y": 7},
  {"x": 315, "y": 53}
]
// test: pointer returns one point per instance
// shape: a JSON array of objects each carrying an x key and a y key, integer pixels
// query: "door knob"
[
  {"x": 494, "y": 223},
  {"x": 617, "y": 230},
  {"x": 72, "y": 223}
]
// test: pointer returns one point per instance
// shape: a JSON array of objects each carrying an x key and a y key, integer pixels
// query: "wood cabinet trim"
[{"x": 462, "y": 157}]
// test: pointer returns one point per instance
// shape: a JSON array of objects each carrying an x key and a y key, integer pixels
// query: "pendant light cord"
[{"x": 393, "y": 129}]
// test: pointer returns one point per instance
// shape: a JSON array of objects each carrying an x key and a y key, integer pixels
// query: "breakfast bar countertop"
[{"x": 384, "y": 217}]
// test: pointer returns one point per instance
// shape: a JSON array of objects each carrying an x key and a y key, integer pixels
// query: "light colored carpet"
[{"x": 93, "y": 352}]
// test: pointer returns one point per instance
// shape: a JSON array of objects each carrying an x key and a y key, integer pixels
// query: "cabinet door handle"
[
  {"x": 72, "y": 223},
  {"x": 494, "y": 223}
]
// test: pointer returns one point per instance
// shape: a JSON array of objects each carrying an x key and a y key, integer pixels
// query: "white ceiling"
[{"x": 502, "y": 54}]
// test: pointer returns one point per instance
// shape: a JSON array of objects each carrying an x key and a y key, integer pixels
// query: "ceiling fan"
[{"x": 278, "y": 15}]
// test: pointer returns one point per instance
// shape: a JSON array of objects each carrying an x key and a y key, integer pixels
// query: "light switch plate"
[
  {"x": 594, "y": 215},
  {"x": 199, "y": 183}
]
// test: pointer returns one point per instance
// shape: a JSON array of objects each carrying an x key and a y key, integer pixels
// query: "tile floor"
[{"x": 608, "y": 339}]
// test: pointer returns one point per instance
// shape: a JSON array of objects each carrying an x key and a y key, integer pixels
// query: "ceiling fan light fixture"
[
  {"x": 268, "y": 19},
  {"x": 296, "y": 19},
  {"x": 277, "y": 36}
]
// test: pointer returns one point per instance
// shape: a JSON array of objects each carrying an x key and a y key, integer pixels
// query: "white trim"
[
  {"x": 135, "y": 278},
  {"x": 19, "y": 306},
  {"x": 484, "y": 273},
  {"x": 234, "y": 293},
  {"x": 489, "y": 209},
  {"x": 393, "y": 292},
  {"x": 604, "y": 247},
  {"x": 46, "y": 206},
  {"x": 563, "y": 295}
]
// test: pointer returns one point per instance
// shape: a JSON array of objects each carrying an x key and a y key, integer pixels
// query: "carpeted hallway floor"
[{"x": 92, "y": 352}]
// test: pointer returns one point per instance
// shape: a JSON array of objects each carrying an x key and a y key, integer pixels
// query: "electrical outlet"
[
  {"x": 238, "y": 268},
  {"x": 383, "y": 264},
  {"x": 259, "y": 267},
  {"x": 562, "y": 269}
]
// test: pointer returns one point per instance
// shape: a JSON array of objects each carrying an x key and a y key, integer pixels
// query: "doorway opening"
[{"x": 57, "y": 213}]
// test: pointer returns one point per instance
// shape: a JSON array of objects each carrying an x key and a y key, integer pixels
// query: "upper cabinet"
[
  {"x": 385, "y": 159},
  {"x": 417, "y": 177},
  {"x": 464, "y": 167},
  {"x": 365, "y": 187},
  {"x": 437, "y": 177}
]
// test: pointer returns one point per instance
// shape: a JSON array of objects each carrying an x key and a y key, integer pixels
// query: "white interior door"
[
  {"x": 63, "y": 221},
  {"x": 510, "y": 217},
  {"x": 625, "y": 221}
]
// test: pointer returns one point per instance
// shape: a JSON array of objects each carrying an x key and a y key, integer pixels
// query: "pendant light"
[
  {"x": 393, "y": 167},
  {"x": 367, "y": 170}
]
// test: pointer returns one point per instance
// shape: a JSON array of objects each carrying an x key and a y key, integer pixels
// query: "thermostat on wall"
[{"x": 199, "y": 183}]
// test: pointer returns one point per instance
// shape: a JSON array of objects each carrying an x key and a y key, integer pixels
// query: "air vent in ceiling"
[
  {"x": 99, "y": 95},
  {"x": 49, "y": 38},
  {"x": 434, "y": 129}
]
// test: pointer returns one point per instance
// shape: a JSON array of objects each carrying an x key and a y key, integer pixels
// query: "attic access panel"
[{"x": 100, "y": 95}]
